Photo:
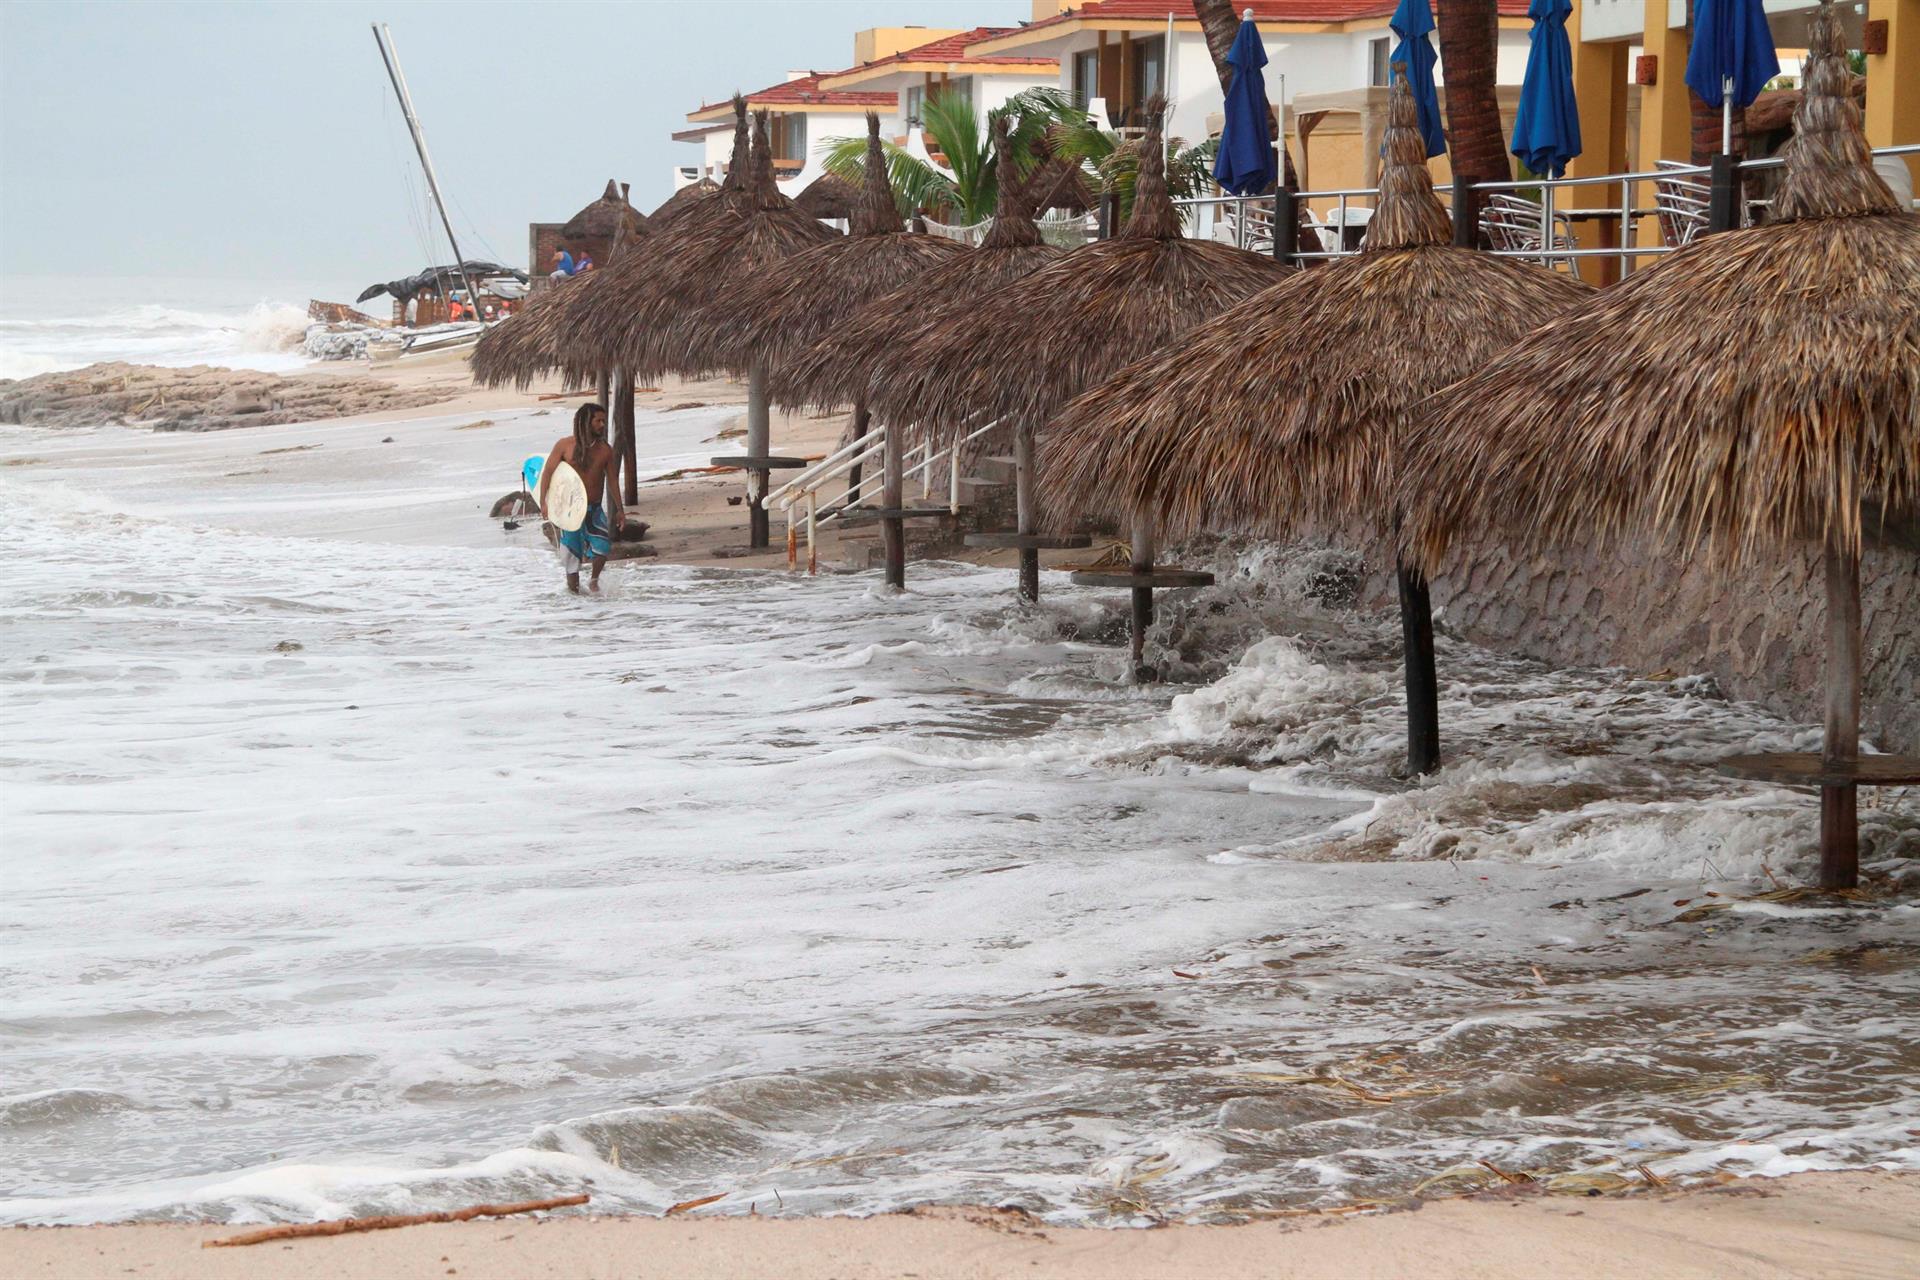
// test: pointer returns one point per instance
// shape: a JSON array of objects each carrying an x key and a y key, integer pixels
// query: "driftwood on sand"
[{"x": 346, "y": 1226}]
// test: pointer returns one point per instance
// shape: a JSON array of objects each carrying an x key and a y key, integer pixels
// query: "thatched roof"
[
  {"x": 604, "y": 217},
  {"x": 1292, "y": 405},
  {"x": 1774, "y": 109},
  {"x": 828, "y": 196},
  {"x": 530, "y": 343},
  {"x": 1022, "y": 352},
  {"x": 885, "y": 330},
  {"x": 681, "y": 203},
  {"x": 791, "y": 303},
  {"x": 1058, "y": 182},
  {"x": 645, "y": 319},
  {"x": 1752, "y": 389}
]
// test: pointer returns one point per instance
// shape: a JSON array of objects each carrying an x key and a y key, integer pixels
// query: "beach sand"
[{"x": 1811, "y": 1225}]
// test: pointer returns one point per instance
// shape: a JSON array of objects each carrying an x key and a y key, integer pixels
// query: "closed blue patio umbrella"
[
  {"x": 1246, "y": 163},
  {"x": 1413, "y": 23},
  {"x": 1731, "y": 58},
  {"x": 1546, "y": 128}
]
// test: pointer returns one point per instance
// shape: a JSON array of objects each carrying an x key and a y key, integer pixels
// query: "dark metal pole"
[
  {"x": 1286, "y": 225},
  {"x": 1423, "y": 685},
  {"x": 1109, "y": 207},
  {"x": 1839, "y": 814},
  {"x": 1466, "y": 227},
  {"x": 1723, "y": 193}
]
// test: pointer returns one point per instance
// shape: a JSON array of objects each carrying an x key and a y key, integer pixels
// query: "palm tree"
[
  {"x": 969, "y": 186},
  {"x": 1476, "y": 144},
  {"x": 1116, "y": 160}
]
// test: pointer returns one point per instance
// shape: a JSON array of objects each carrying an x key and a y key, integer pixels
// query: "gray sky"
[{"x": 260, "y": 140}]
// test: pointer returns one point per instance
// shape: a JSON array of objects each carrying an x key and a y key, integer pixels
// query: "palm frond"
[{"x": 917, "y": 185}]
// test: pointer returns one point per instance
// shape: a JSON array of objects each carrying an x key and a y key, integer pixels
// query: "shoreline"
[{"x": 1809, "y": 1224}]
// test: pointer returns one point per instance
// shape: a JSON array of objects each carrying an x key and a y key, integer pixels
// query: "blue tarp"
[
  {"x": 1246, "y": 163},
  {"x": 1413, "y": 23},
  {"x": 1546, "y": 128}
]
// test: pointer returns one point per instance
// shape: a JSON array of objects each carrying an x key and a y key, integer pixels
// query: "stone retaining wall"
[{"x": 1760, "y": 634}]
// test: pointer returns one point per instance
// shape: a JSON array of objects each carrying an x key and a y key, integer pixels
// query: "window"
[
  {"x": 1086, "y": 76},
  {"x": 1149, "y": 68},
  {"x": 791, "y": 144},
  {"x": 1379, "y": 70},
  {"x": 960, "y": 87},
  {"x": 916, "y": 100}
]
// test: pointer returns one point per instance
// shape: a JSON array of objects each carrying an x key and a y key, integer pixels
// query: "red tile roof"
[
  {"x": 954, "y": 49},
  {"x": 806, "y": 91},
  {"x": 1263, "y": 10}
]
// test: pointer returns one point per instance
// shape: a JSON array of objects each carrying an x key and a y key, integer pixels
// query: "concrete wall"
[{"x": 1761, "y": 633}]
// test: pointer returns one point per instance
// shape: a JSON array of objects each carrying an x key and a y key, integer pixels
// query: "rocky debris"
[
  {"x": 197, "y": 399},
  {"x": 346, "y": 342}
]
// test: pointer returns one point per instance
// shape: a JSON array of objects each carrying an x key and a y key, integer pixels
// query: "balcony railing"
[{"x": 1562, "y": 223}]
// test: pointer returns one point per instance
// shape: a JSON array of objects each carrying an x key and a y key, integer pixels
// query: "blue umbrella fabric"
[
  {"x": 1246, "y": 163},
  {"x": 1546, "y": 128},
  {"x": 1730, "y": 42},
  {"x": 1413, "y": 23}
]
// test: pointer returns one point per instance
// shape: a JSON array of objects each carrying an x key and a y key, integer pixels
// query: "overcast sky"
[{"x": 260, "y": 140}]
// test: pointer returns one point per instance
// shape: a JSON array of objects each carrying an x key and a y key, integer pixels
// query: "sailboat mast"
[{"x": 391, "y": 56}]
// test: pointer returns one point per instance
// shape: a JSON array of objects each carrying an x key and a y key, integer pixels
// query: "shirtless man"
[{"x": 587, "y": 451}]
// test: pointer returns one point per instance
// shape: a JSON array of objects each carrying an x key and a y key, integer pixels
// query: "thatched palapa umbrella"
[
  {"x": 1025, "y": 351},
  {"x": 792, "y": 303},
  {"x": 684, "y": 201},
  {"x": 1242, "y": 425},
  {"x": 531, "y": 342},
  {"x": 886, "y": 331},
  {"x": 1757, "y": 390},
  {"x": 606, "y": 218},
  {"x": 829, "y": 196},
  {"x": 646, "y": 318}
]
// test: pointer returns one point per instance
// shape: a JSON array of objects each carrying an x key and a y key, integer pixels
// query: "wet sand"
[{"x": 1841, "y": 1225}]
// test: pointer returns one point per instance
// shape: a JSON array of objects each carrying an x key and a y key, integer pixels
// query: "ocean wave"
[{"x": 266, "y": 336}]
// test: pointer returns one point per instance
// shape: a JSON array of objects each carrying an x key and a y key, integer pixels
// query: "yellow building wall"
[{"x": 1893, "y": 79}]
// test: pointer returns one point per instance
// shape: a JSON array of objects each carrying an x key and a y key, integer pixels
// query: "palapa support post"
[
  {"x": 1286, "y": 225},
  {"x": 1839, "y": 813},
  {"x": 893, "y": 530},
  {"x": 623, "y": 433},
  {"x": 1109, "y": 210},
  {"x": 1025, "y": 520},
  {"x": 861, "y": 421},
  {"x": 1141, "y": 562},
  {"x": 1466, "y": 231},
  {"x": 1723, "y": 193},
  {"x": 1423, "y": 684},
  {"x": 759, "y": 445}
]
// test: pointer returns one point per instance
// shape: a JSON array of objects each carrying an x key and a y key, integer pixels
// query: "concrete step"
[{"x": 997, "y": 466}]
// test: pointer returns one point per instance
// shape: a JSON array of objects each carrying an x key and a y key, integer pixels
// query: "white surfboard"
[{"x": 566, "y": 498}]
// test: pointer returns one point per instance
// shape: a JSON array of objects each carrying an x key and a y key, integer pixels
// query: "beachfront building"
[
  {"x": 948, "y": 63},
  {"x": 802, "y": 115},
  {"x": 1115, "y": 54}
]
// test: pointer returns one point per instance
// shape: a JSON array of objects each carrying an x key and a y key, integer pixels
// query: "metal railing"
[
  {"x": 800, "y": 498},
  {"x": 1642, "y": 226}
]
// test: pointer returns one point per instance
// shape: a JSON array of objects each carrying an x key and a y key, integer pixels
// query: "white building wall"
[{"x": 822, "y": 128}]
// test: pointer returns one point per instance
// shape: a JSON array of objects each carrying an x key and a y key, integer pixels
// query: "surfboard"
[{"x": 566, "y": 498}]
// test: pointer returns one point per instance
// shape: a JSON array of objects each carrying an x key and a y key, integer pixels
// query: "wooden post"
[
  {"x": 623, "y": 432},
  {"x": 1423, "y": 686},
  {"x": 1109, "y": 209},
  {"x": 860, "y": 423},
  {"x": 759, "y": 445},
  {"x": 893, "y": 531},
  {"x": 1142, "y": 562},
  {"x": 1025, "y": 520},
  {"x": 1839, "y": 816}
]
